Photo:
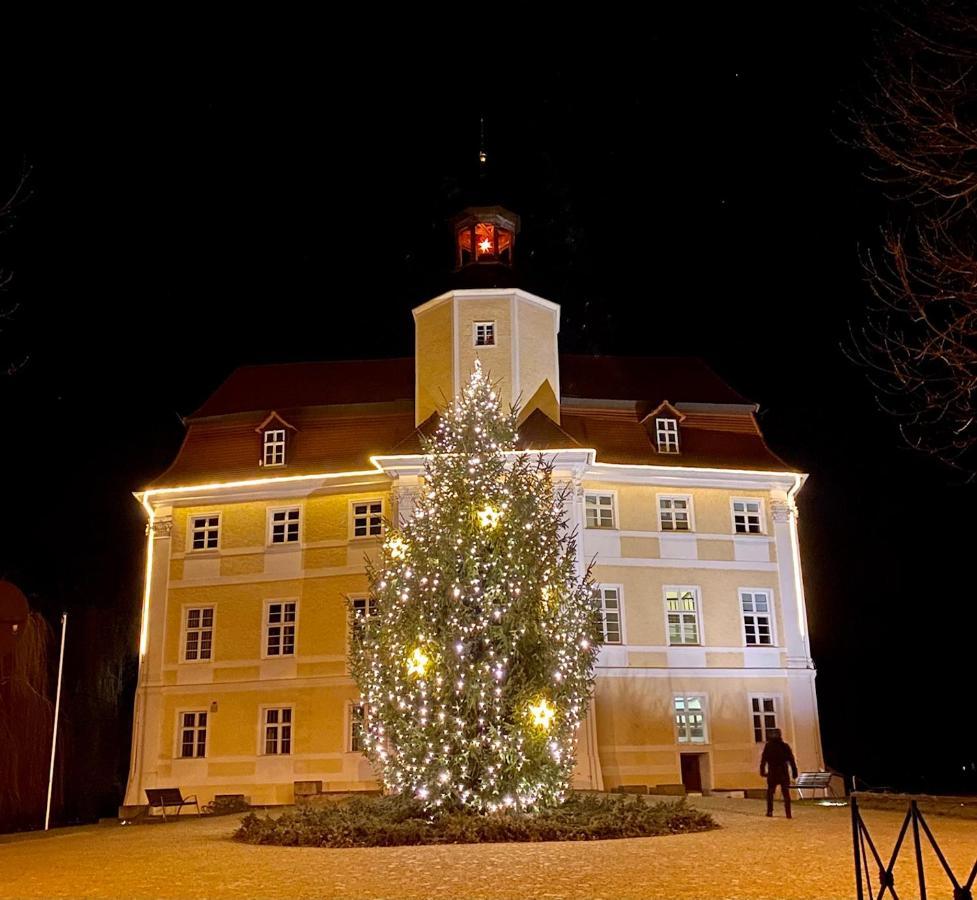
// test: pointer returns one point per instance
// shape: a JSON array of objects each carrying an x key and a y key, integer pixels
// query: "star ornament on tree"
[
  {"x": 417, "y": 662},
  {"x": 397, "y": 548},
  {"x": 489, "y": 517},
  {"x": 542, "y": 714}
]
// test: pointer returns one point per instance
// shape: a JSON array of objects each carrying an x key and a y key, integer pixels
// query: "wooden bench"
[
  {"x": 160, "y": 798},
  {"x": 813, "y": 781}
]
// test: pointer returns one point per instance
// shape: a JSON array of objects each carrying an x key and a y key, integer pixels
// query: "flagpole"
[{"x": 54, "y": 733}]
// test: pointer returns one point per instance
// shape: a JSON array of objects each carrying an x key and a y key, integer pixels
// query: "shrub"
[
  {"x": 393, "y": 821},
  {"x": 222, "y": 806}
]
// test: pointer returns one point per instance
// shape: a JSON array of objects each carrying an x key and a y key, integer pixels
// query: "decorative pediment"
[
  {"x": 273, "y": 420},
  {"x": 663, "y": 410}
]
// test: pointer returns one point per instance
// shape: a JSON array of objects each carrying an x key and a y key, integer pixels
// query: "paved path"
[{"x": 751, "y": 857}]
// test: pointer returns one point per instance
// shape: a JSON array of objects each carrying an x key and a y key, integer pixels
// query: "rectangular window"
[
  {"x": 274, "y": 447},
  {"x": 683, "y": 616},
  {"x": 199, "y": 641},
  {"x": 368, "y": 518},
  {"x": 764, "y": 717},
  {"x": 757, "y": 618},
  {"x": 285, "y": 526},
  {"x": 747, "y": 517},
  {"x": 278, "y": 731},
  {"x": 280, "y": 628},
  {"x": 357, "y": 718},
  {"x": 484, "y": 334},
  {"x": 675, "y": 513},
  {"x": 690, "y": 719},
  {"x": 666, "y": 433},
  {"x": 193, "y": 734},
  {"x": 610, "y": 611},
  {"x": 362, "y": 610},
  {"x": 599, "y": 510},
  {"x": 204, "y": 532}
]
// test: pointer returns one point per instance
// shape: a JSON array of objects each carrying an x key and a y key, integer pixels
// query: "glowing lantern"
[{"x": 542, "y": 714}]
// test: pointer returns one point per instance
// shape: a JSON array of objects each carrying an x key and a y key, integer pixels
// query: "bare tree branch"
[{"x": 918, "y": 124}]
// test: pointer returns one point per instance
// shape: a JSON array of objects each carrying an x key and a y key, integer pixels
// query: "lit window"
[
  {"x": 747, "y": 517},
  {"x": 285, "y": 526},
  {"x": 278, "y": 731},
  {"x": 599, "y": 510},
  {"x": 484, "y": 334},
  {"x": 666, "y": 434},
  {"x": 357, "y": 719},
  {"x": 757, "y": 618},
  {"x": 204, "y": 532},
  {"x": 764, "y": 717},
  {"x": 199, "y": 641},
  {"x": 674, "y": 513},
  {"x": 274, "y": 447},
  {"x": 368, "y": 519},
  {"x": 280, "y": 629},
  {"x": 690, "y": 719},
  {"x": 610, "y": 612},
  {"x": 193, "y": 734},
  {"x": 683, "y": 616}
]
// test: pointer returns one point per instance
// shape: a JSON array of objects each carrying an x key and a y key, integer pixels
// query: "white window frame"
[
  {"x": 778, "y": 708},
  {"x": 762, "y": 514},
  {"x": 488, "y": 324},
  {"x": 271, "y": 526},
  {"x": 599, "y": 527},
  {"x": 704, "y": 700},
  {"x": 770, "y": 615},
  {"x": 689, "y": 509},
  {"x": 206, "y": 529},
  {"x": 263, "y": 710},
  {"x": 185, "y": 631},
  {"x": 666, "y": 434},
  {"x": 620, "y": 614},
  {"x": 266, "y": 627},
  {"x": 697, "y": 594},
  {"x": 273, "y": 444},
  {"x": 178, "y": 748},
  {"x": 367, "y": 606},
  {"x": 350, "y": 721},
  {"x": 353, "y": 536}
]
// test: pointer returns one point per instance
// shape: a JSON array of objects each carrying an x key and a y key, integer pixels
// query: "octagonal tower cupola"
[{"x": 485, "y": 235}]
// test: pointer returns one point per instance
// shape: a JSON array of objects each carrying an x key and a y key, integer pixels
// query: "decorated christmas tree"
[{"x": 477, "y": 668}]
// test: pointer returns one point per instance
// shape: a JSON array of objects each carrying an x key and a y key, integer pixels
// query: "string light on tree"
[{"x": 477, "y": 670}]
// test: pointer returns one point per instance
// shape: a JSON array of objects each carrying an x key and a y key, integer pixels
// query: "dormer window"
[
  {"x": 666, "y": 435},
  {"x": 484, "y": 334},
  {"x": 273, "y": 447}
]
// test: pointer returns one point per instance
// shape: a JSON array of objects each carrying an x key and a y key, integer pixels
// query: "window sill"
[
  {"x": 367, "y": 537},
  {"x": 203, "y": 554},
  {"x": 288, "y": 545}
]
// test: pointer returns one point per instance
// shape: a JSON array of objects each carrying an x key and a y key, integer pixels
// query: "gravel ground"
[{"x": 750, "y": 857}]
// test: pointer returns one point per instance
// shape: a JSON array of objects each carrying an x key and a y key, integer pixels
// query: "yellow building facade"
[{"x": 258, "y": 535}]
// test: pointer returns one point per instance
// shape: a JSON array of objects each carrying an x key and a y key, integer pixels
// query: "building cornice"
[{"x": 489, "y": 294}]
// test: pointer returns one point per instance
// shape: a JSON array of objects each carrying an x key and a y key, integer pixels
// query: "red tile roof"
[{"x": 345, "y": 412}]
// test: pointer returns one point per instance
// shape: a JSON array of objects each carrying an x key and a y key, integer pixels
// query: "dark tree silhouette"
[{"x": 918, "y": 124}]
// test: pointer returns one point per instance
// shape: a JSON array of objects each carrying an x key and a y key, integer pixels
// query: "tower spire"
[{"x": 482, "y": 156}]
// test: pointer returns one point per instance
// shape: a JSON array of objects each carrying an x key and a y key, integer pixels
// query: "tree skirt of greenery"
[{"x": 395, "y": 821}]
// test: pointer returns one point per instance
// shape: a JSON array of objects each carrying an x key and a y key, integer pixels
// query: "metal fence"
[{"x": 863, "y": 845}]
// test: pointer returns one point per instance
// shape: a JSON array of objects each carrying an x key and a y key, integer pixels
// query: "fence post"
[
  {"x": 855, "y": 823},
  {"x": 914, "y": 810}
]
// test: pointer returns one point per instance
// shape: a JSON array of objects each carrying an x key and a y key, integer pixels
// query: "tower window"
[
  {"x": 666, "y": 434},
  {"x": 485, "y": 334},
  {"x": 485, "y": 234}
]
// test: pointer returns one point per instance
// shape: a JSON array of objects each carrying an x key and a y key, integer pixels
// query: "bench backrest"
[
  {"x": 813, "y": 779},
  {"x": 164, "y": 796}
]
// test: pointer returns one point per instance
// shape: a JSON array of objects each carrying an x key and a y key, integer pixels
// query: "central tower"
[{"x": 511, "y": 332}]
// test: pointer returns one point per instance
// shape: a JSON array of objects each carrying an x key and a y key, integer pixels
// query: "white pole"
[{"x": 54, "y": 733}]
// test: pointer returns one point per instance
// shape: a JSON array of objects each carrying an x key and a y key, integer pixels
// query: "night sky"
[{"x": 687, "y": 190}]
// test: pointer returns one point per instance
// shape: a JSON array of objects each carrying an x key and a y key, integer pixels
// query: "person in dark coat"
[{"x": 777, "y": 756}]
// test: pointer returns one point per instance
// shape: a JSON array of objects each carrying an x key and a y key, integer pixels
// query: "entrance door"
[{"x": 691, "y": 772}]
